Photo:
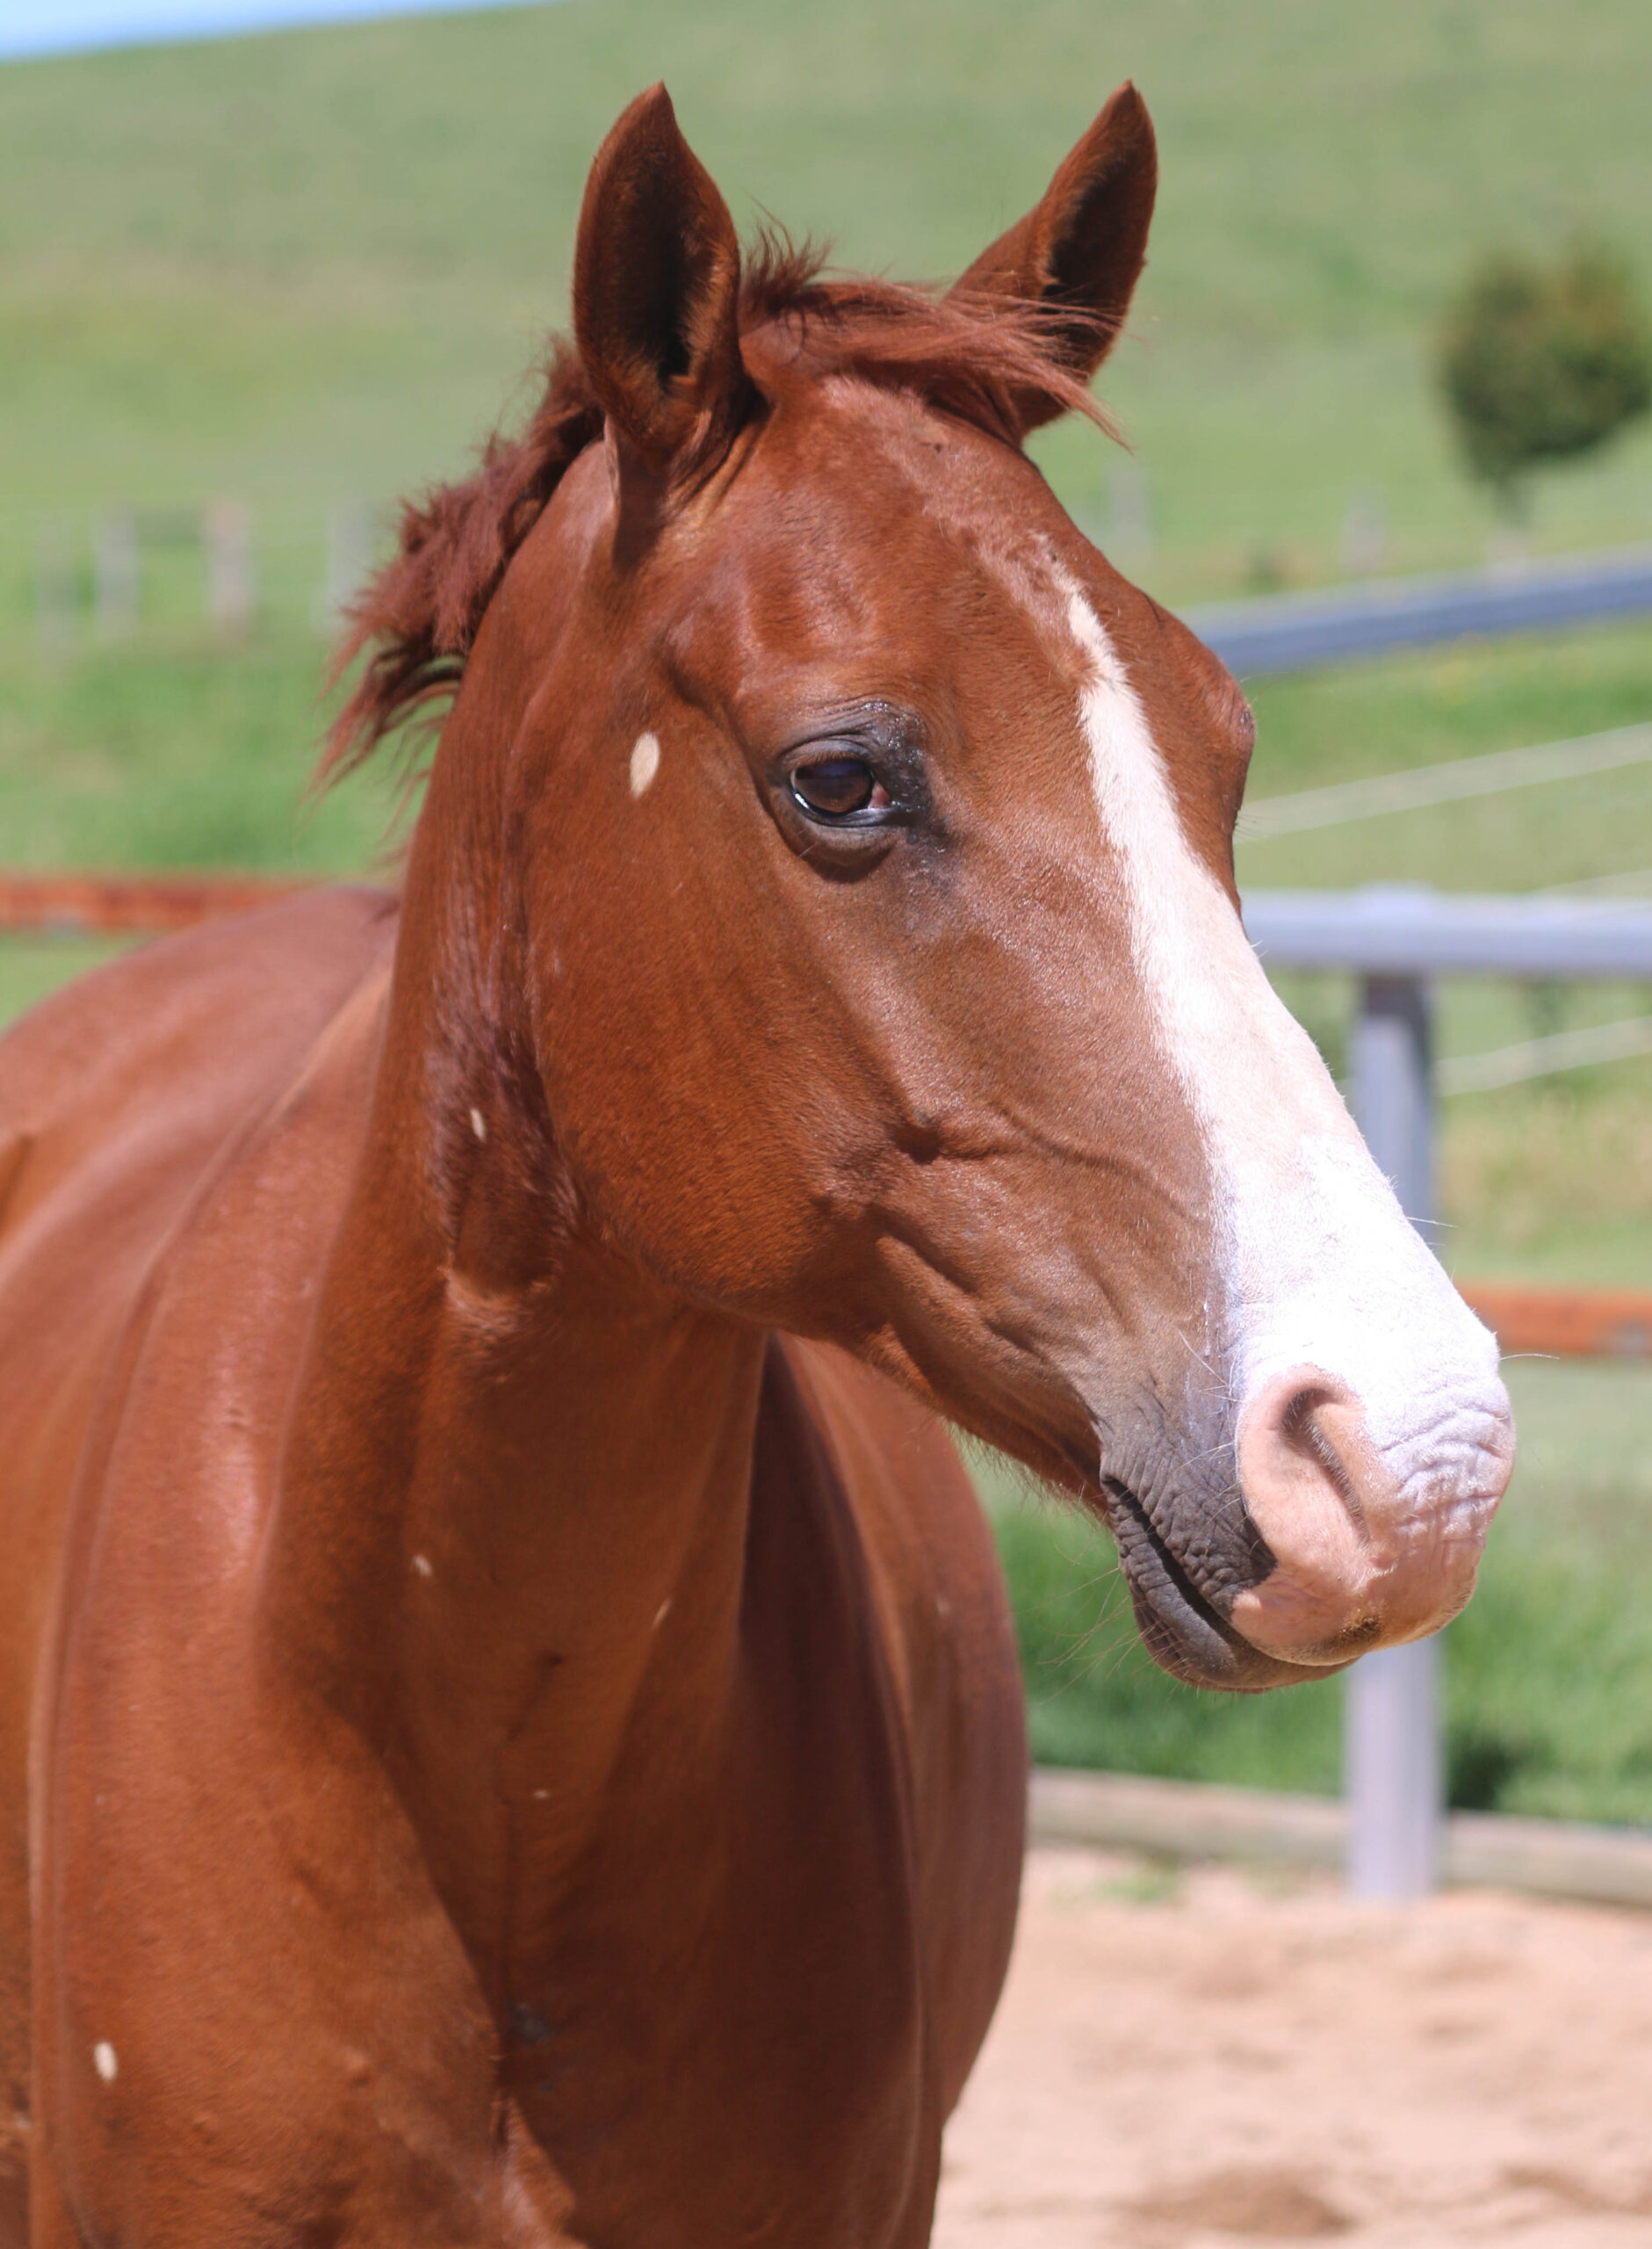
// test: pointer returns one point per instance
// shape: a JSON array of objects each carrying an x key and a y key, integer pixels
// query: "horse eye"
[{"x": 835, "y": 787}]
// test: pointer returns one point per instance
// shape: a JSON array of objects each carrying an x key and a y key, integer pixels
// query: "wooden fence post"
[
  {"x": 115, "y": 572},
  {"x": 226, "y": 538},
  {"x": 349, "y": 553},
  {"x": 56, "y": 589}
]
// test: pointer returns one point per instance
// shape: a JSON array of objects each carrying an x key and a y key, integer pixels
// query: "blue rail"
[
  {"x": 1405, "y": 929},
  {"x": 1296, "y": 632}
]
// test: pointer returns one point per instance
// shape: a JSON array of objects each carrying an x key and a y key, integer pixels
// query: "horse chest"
[
  {"x": 726, "y": 2032},
  {"x": 759, "y": 2085},
  {"x": 714, "y": 2028},
  {"x": 276, "y": 2012}
]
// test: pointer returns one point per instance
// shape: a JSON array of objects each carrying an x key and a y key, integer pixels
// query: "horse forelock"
[{"x": 978, "y": 359}]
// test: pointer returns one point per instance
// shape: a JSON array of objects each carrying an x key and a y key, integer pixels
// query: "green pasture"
[
  {"x": 308, "y": 270},
  {"x": 312, "y": 266}
]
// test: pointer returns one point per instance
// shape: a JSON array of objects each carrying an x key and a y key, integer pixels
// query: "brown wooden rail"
[
  {"x": 1566, "y": 1323},
  {"x": 130, "y": 905}
]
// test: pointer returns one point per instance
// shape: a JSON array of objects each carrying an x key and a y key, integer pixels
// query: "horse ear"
[
  {"x": 1082, "y": 247},
  {"x": 656, "y": 296}
]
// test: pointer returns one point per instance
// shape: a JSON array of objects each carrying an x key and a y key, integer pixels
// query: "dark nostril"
[
  {"x": 1297, "y": 1422},
  {"x": 1300, "y": 1428},
  {"x": 1297, "y": 1416}
]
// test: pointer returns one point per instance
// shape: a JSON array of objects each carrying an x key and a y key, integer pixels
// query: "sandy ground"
[{"x": 1180, "y": 2063}]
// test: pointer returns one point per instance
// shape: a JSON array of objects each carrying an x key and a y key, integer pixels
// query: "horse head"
[{"x": 870, "y": 848}]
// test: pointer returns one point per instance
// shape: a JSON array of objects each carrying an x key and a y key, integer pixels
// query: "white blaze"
[{"x": 1321, "y": 1267}]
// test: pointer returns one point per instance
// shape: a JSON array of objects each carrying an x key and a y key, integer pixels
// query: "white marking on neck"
[
  {"x": 1321, "y": 1266},
  {"x": 645, "y": 763},
  {"x": 479, "y": 1123},
  {"x": 105, "y": 2061}
]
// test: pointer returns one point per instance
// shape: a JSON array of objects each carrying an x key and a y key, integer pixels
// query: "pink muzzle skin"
[{"x": 1362, "y": 1560}]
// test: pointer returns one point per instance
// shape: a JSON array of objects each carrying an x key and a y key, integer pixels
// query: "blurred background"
[{"x": 253, "y": 288}]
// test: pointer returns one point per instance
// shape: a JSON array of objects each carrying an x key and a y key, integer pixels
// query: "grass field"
[
  {"x": 307, "y": 271},
  {"x": 311, "y": 265}
]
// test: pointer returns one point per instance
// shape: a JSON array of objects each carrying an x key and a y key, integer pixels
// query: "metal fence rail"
[
  {"x": 1296, "y": 632},
  {"x": 1405, "y": 929}
]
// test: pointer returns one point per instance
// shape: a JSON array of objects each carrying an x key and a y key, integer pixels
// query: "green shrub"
[{"x": 1541, "y": 364}]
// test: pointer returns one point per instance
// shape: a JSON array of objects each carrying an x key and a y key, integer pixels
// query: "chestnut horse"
[{"x": 509, "y": 1727}]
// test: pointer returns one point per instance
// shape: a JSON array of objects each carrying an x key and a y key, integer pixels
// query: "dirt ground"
[{"x": 1180, "y": 2062}]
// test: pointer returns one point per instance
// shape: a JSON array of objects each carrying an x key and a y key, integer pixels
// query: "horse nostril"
[
  {"x": 1302, "y": 1428},
  {"x": 1361, "y": 1554},
  {"x": 1301, "y": 1469}
]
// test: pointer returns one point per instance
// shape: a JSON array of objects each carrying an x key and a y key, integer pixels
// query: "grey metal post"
[{"x": 1393, "y": 1768}]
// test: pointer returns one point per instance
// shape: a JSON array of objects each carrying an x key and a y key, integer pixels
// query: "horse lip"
[
  {"x": 1182, "y": 1631},
  {"x": 1175, "y": 1609}
]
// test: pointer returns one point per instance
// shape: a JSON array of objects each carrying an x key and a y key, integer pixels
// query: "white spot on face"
[
  {"x": 662, "y": 1612},
  {"x": 479, "y": 1123},
  {"x": 644, "y": 762},
  {"x": 1322, "y": 1267},
  {"x": 421, "y": 1566},
  {"x": 104, "y": 2061}
]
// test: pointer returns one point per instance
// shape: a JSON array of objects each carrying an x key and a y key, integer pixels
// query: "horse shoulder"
[
  {"x": 116, "y": 1097},
  {"x": 137, "y": 1070}
]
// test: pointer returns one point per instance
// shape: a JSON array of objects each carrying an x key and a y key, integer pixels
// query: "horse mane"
[{"x": 982, "y": 359}]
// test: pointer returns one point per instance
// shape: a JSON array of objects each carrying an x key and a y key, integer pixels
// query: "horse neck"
[{"x": 518, "y": 1473}]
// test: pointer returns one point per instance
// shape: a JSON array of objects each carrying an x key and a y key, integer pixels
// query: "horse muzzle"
[
  {"x": 1371, "y": 1543},
  {"x": 1305, "y": 1540}
]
